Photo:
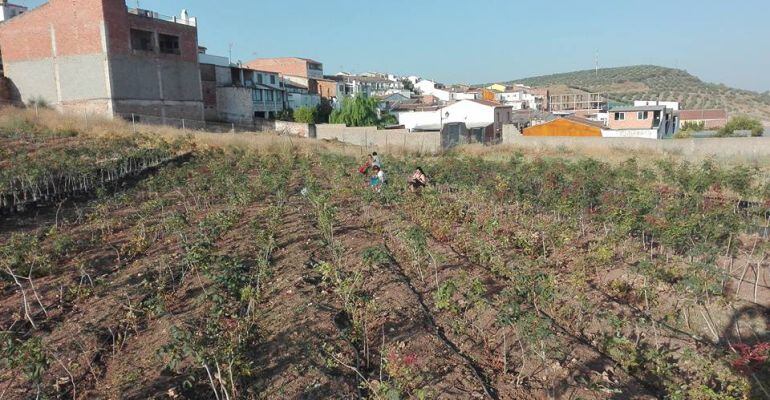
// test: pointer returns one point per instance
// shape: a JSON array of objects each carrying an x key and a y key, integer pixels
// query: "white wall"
[
  {"x": 465, "y": 96},
  {"x": 669, "y": 104},
  {"x": 631, "y": 133},
  {"x": 412, "y": 120},
  {"x": 517, "y": 100},
  {"x": 440, "y": 94},
  {"x": 424, "y": 86},
  {"x": 471, "y": 113}
]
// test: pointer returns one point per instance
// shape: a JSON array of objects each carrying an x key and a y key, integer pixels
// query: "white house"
[
  {"x": 647, "y": 122},
  {"x": 473, "y": 114},
  {"x": 518, "y": 99},
  {"x": 424, "y": 85}
]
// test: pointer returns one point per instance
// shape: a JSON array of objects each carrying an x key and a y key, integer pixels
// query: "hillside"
[{"x": 649, "y": 82}]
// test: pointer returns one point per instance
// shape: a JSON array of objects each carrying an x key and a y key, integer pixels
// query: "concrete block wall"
[
  {"x": 749, "y": 148},
  {"x": 57, "y": 53},
  {"x": 381, "y": 140},
  {"x": 510, "y": 133}
]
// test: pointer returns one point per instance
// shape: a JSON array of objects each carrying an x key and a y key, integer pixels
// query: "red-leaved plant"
[{"x": 751, "y": 358}]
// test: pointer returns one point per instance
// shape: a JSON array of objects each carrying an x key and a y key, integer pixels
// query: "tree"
[
  {"x": 324, "y": 111},
  {"x": 742, "y": 123},
  {"x": 407, "y": 85},
  {"x": 285, "y": 115},
  {"x": 356, "y": 111},
  {"x": 306, "y": 115}
]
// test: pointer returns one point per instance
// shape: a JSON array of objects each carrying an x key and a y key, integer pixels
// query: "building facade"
[
  {"x": 371, "y": 85},
  {"x": 711, "y": 119},
  {"x": 577, "y": 102},
  {"x": 480, "y": 115},
  {"x": 235, "y": 94},
  {"x": 298, "y": 95},
  {"x": 100, "y": 57},
  {"x": 650, "y": 122},
  {"x": 303, "y": 71}
]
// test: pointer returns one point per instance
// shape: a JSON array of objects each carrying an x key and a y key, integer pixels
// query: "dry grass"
[
  {"x": 11, "y": 117},
  {"x": 608, "y": 154},
  {"x": 51, "y": 120}
]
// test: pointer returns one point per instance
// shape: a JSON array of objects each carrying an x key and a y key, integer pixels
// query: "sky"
[{"x": 480, "y": 41}]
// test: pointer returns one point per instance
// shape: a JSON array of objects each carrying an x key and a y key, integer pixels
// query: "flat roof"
[{"x": 639, "y": 108}]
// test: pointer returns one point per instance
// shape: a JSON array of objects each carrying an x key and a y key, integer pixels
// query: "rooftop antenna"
[{"x": 230, "y": 53}]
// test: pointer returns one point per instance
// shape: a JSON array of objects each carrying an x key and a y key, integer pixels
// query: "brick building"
[
  {"x": 101, "y": 57},
  {"x": 303, "y": 71},
  {"x": 711, "y": 119}
]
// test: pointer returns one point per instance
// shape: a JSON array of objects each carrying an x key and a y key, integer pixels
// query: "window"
[
  {"x": 641, "y": 115},
  {"x": 269, "y": 95},
  {"x": 168, "y": 44},
  {"x": 272, "y": 79},
  {"x": 256, "y": 95},
  {"x": 142, "y": 40},
  {"x": 620, "y": 116}
]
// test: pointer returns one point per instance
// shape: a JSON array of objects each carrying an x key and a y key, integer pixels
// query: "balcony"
[{"x": 189, "y": 21}]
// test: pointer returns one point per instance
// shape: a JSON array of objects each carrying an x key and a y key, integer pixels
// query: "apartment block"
[
  {"x": 101, "y": 57},
  {"x": 303, "y": 71}
]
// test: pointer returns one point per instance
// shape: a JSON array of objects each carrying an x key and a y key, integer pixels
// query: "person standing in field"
[{"x": 376, "y": 160}]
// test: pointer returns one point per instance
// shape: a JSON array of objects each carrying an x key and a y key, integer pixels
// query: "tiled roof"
[{"x": 690, "y": 115}]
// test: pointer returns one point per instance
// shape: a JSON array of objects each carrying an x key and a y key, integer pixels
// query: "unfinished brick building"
[{"x": 101, "y": 57}]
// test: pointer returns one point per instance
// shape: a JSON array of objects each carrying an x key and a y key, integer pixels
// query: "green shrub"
[
  {"x": 306, "y": 115},
  {"x": 740, "y": 123}
]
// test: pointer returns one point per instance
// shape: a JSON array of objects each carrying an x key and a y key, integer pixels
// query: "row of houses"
[
  {"x": 103, "y": 57},
  {"x": 645, "y": 119}
]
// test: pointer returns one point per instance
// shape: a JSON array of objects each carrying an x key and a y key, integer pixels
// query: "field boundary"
[{"x": 747, "y": 148}]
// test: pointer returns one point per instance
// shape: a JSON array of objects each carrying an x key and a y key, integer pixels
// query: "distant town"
[{"x": 112, "y": 60}]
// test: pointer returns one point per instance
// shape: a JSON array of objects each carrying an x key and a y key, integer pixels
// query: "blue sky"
[{"x": 476, "y": 41}]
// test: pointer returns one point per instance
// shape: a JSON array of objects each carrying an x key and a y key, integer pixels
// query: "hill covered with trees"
[{"x": 650, "y": 82}]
